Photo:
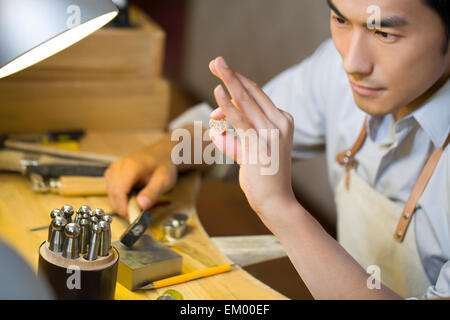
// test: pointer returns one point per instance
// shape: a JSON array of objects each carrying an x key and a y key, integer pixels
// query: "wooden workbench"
[{"x": 20, "y": 206}]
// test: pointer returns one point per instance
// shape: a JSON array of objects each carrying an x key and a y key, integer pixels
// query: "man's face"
[{"x": 391, "y": 66}]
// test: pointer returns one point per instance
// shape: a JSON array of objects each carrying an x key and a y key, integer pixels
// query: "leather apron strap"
[{"x": 347, "y": 159}]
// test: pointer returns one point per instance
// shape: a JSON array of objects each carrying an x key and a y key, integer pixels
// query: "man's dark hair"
[{"x": 442, "y": 7}]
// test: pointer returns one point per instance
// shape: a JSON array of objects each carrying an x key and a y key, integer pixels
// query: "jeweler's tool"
[
  {"x": 71, "y": 248},
  {"x": 56, "y": 235},
  {"x": 94, "y": 243}
]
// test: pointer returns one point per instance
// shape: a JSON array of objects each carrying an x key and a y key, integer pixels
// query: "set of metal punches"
[{"x": 86, "y": 236}]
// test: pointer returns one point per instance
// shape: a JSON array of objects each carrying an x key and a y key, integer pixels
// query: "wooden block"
[
  {"x": 107, "y": 54},
  {"x": 148, "y": 260},
  {"x": 32, "y": 106}
]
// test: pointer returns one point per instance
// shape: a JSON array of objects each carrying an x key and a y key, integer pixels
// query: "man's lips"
[{"x": 365, "y": 90}]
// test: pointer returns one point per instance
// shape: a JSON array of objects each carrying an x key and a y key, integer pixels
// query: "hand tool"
[
  {"x": 71, "y": 248},
  {"x": 55, "y": 171},
  {"x": 136, "y": 229},
  {"x": 99, "y": 213},
  {"x": 94, "y": 242},
  {"x": 105, "y": 238},
  {"x": 36, "y": 148},
  {"x": 68, "y": 186},
  {"x": 47, "y": 166},
  {"x": 56, "y": 238},
  {"x": 175, "y": 228},
  {"x": 189, "y": 276},
  {"x": 78, "y": 216},
  {"x": 94, "y": 220},
  {"x": 139, "y": 220},
  {"x": 47, "y": 138},
  {"x": 67, "y": 210},
  {"x": 55, "y": 213},
  {"x": 108, "y": 220},
  {"x": 86, "y": 212},
  {"x": 85, "y": 233},
  {"x": 86, "y": 209}
]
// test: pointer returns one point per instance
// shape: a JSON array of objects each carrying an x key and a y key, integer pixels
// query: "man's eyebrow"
[
  {"x": 336, "y": 10},
  {"x": 393, "y": 21},
  {"x": 390, "y": 22}
]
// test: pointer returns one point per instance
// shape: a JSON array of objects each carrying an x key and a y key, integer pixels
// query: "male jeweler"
[{"x": 377, "y": 96}]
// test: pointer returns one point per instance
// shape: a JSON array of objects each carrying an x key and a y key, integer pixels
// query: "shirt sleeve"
[
  {"x": 300, "y": 90},
  {"x": 199, "y": 112},
  {"x": 442, "y": 287}
]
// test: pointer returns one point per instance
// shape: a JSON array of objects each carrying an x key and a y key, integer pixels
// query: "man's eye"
[
  {"x": 339, "y": 20},
  {"x": 385, "y": 35}
]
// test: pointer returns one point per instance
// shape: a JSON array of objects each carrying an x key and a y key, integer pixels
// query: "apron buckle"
[{"x": 349, "y": 162}]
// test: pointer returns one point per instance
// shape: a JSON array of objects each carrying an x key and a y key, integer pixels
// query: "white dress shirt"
[{"x": 317, "y": 93}]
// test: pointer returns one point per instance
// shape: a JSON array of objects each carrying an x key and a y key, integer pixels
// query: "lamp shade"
[{"x": 33, "y": 30}]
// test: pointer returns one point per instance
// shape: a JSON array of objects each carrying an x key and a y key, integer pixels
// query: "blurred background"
[{"x": 259, "y": 38}]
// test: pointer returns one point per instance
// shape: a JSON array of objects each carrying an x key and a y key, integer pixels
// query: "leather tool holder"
[{"x": 73, "y": 279}]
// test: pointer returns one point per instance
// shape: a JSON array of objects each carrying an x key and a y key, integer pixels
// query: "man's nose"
[{"x": 358, "y": 60}]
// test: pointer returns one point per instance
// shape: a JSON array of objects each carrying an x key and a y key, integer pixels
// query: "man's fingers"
[
  {"x": 237, "y": 119},
  {"x": 260, "y": 97},
  {"x": 241, "y": 97},
  {"x": 160, "y": 182},
  {"x": 119, "y": 183},
  {"x": 217, "y": 114},
  {"x": 228, "y": 144},
  {"x": 213, "y": 68}
]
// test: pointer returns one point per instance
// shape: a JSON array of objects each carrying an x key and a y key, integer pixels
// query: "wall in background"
[{"x": 259, "y": 38}]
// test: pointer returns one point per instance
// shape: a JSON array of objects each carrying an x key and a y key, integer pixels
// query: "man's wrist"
[{"x": 281, "y": 218}]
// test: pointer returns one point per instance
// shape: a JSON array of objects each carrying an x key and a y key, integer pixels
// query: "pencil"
[{"x": 189, "y": 276}]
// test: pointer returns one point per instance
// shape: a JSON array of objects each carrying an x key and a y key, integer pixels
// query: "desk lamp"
[{"x": 33, "y": 30}]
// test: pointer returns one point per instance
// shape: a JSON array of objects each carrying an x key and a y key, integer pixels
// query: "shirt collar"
[{"x": 433, "y": 117}]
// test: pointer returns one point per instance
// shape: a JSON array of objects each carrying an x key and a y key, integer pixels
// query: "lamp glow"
[{"x": 58, "y": 38}]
